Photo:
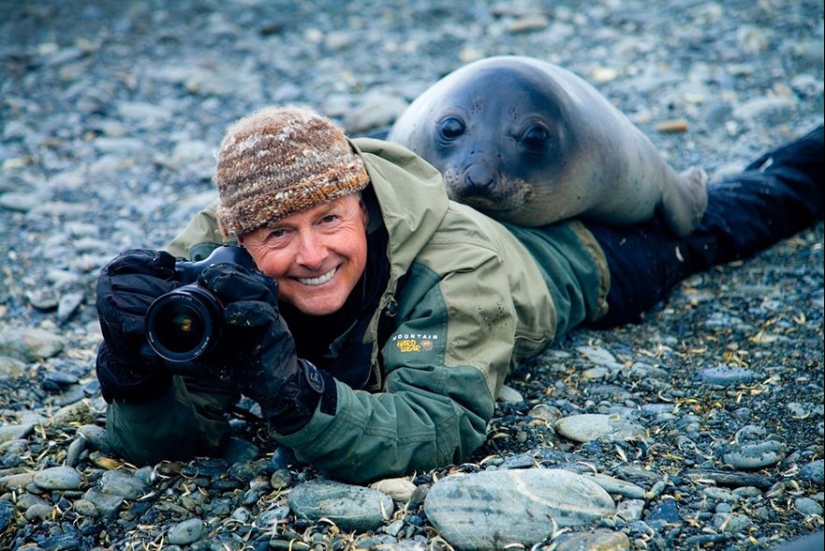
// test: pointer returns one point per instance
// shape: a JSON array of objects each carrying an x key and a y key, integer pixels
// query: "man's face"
[{"x": 317, "y": 255}]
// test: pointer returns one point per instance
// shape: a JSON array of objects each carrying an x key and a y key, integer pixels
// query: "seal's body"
[{"x": 530, "y": 143}]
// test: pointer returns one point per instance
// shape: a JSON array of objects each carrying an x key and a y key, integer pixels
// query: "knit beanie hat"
[{"x": 279, "y": 161}]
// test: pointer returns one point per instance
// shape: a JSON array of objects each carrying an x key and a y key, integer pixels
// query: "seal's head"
[{"x": 495, "y": 129}]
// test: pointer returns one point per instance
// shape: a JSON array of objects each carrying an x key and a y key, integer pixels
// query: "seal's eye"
[
  {"x": 536, "y": 139},
  {"x": 451, "y": 128}
]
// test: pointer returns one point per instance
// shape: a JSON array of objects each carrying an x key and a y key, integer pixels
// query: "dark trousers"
[{"x": 776, "y": 196}]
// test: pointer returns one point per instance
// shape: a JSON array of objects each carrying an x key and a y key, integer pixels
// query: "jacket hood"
[{"x": 411, "y": 195}]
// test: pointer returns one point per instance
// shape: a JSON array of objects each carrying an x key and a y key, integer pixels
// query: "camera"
[{"x": 186, "y": 323}]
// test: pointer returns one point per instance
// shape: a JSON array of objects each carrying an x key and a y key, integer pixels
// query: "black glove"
[
  {"x": 257, "y": 352},
  {"x": 126, "y": 367}
]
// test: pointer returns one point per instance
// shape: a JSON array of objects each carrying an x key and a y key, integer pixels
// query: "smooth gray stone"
[
  {"x": 15, "y": 432},
  {"x": 11, "y": 368},
  {"x": 812, "y": 542},
  {"x": 602, "y": 540},
  {"x": 30, "y": 344},
  {"x": 186, "y": 532},
  {"x": 107, "y": 504},
  {"x": 813, "y": 472},
  {"x": 756, "y": 456},
  {"x": 122, "y": 484},
  {"x": 491, "y": 509},
  {"x": 595, "y": 426},
  {"x": 727, "y": 376},
  {"x": 59, "y": 478},
  {"x": 616, "y": 486},
  {"x": 349, "y": 507}
]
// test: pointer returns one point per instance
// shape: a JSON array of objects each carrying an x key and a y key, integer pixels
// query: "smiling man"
[{"x": 383, "y": 318}]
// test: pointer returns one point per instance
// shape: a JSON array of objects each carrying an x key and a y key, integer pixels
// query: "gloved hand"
[
  {"x": 126, "y": 367},
  {"x": 257, "y": 352}
]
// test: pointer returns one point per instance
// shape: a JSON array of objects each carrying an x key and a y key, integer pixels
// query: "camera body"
[{"x": 186, "y": 323}]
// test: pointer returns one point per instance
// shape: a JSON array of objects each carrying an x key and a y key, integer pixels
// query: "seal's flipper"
[{"x": 684, "y": 201}]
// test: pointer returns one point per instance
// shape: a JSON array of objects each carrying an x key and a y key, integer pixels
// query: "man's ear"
[{"x": 365, "y": 213}]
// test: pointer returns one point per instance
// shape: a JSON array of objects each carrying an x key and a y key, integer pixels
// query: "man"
[{"x": 390, "y": 316}]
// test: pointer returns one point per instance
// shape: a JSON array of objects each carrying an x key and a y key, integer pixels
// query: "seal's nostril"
[{"x": 479, "y": 180}]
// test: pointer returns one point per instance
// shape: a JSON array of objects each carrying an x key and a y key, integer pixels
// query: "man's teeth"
[{"x": 320, "y": 280}]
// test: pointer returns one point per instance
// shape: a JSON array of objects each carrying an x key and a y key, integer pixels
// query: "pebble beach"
[{"x": 700, "y": 427}]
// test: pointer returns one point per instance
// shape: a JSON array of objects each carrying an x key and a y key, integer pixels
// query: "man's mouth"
[{"x": 315, "y": 281}]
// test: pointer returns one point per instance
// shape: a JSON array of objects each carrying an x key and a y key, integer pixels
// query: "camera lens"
[{"x": 184, "y": 324}]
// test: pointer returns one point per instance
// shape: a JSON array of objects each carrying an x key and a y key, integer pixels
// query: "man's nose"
[{"x": 313, "y": 251}]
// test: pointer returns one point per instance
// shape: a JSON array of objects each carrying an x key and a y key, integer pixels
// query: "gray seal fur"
[{"x": 531, "y": 143}]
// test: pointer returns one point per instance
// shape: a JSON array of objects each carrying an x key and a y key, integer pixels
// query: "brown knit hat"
[{"x": 279, "y": 161}]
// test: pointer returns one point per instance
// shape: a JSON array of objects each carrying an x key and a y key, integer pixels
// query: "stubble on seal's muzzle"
[{"x": 498, "y": 197}]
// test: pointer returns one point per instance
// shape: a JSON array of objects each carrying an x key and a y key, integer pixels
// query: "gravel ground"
[{"x": 110, "y": 112}]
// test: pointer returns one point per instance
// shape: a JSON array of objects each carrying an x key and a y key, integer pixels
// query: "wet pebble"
[
  {"x": 186, "y": 532},
  {"x": 603, "y": 540},
  {"x": 493, "y": 508},
  {"x": 399, "y": 489},
  {"x": 6, "y": 514},
  {"x": 120, "y": 483},
  {"x": 59, "y": 478},
  {"x": 95, "y": 437},
  {"x": 808, "y": 506},
  {"x": 615, "y": 486},
  {"x": 726, "y": 376},
  {"x": 755, "y": 456},
  {"x": 813, "y": 472},
  {"x": 29, "y": 344},
  {"x": 348, "y": 506},
  {"x": 592, "y": 426}
]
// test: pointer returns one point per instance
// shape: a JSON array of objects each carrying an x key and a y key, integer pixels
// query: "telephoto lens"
[{"x": 185, "y": 323}]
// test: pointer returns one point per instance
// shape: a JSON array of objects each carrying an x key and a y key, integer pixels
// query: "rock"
[
  {"x": 121, "y": 483},
  {"x": 594, "y": 426},
  {"x": 14, "y": 431},
  {"x": 755, "y": 456},
  {"x": 16, "y": 481},
  {"x": 107, "y": 504},
  {"x": 764, "y": 108},
  {"x": 349, "y": 507},
  {"x": 808, "y": 506},
  {"x": 731, "y": 523},
  {"x": 29, "y": 344},
  {"x": 6, "y": 514},
  {"x": 726, "y": 376},
  {"x": 95, "y": 437},
  {"x": 813, "y": 472},
  {"x": 186, "y": 532},
  {"x": 599, "y": 356},
  {"x": 509, "y": 395},
  {"x": 59, "y": 478},
  {"x": 630, "y": 510},
  {"x": 601, "y": 540},
  {"x": 68, "y": 305},
  {"x": 664, "y": 514},
  {"x": 399, "y": 489},
  {"x": 615, "y": 486},
  {"x": 492, "y": 509}
]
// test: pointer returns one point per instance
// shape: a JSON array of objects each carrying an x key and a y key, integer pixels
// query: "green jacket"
[{"x": 467, "y": 300}]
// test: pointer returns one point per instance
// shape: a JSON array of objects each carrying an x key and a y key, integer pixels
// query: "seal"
[{"x": 530, "y": 143}]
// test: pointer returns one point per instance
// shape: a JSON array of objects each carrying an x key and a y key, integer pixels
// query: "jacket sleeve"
[
  {"x": 188, "y": 420},
  {"x": 444, "y": 364},
  {"x": 199, "y": 237}
]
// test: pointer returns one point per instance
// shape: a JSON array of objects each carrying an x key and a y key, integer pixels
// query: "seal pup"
[{"x": 530, "y": 143}]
